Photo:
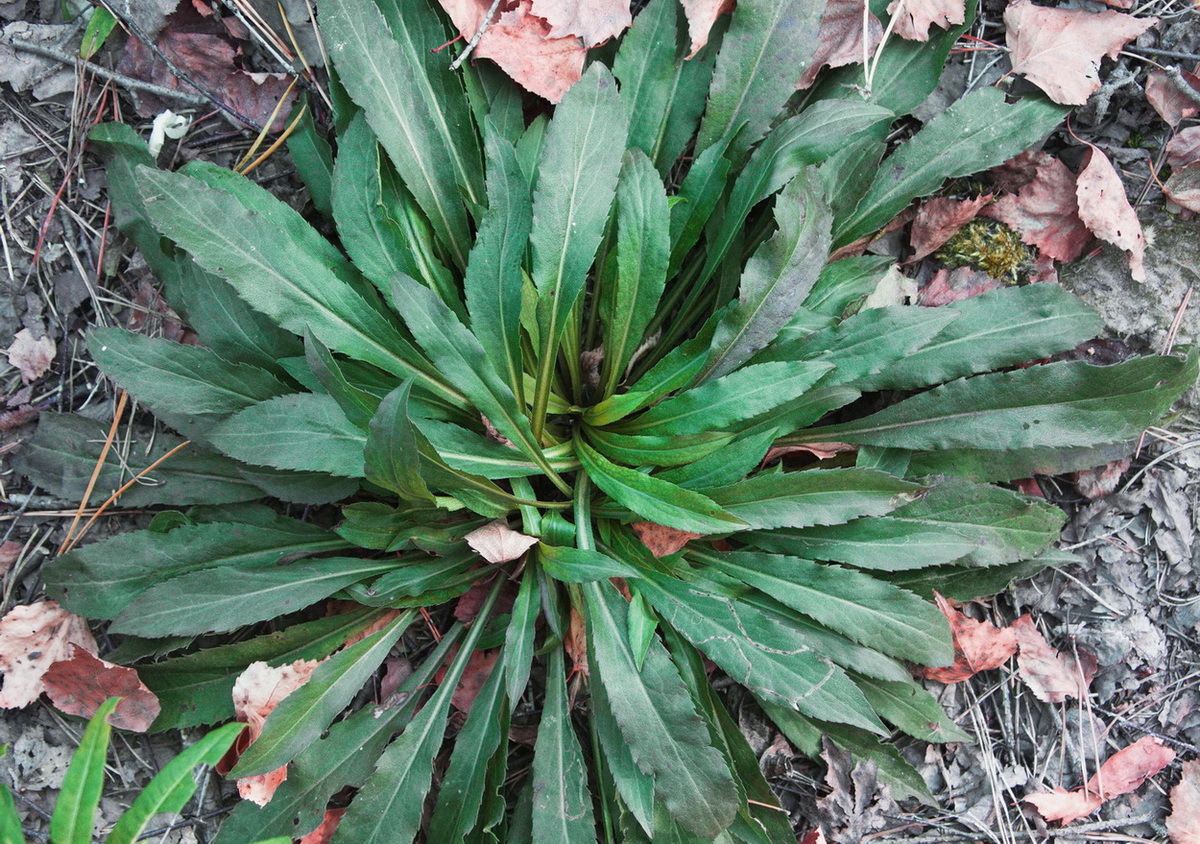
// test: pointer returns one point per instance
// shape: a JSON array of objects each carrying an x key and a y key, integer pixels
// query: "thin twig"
[
  {"x": 1170, "y": 54},
  {"x": 487, "y": 21},
  {"x": 103, "y": 72}
]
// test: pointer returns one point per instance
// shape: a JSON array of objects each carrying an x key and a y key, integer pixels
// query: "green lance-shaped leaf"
[
  {"x": 493, "y": 280},
  {"x": 304, "y": 714},
  {"x": 767, "y": 47},
  {"x": 725, "y": 467},
  {"x": 483, "y": 736},
  {"x": 519, "y": 636},
  {"x": 460, "y": 356},
  {"x": 392, "y": 455},
  {"x": 1070, "y": 403},
  {"x": 977, "y": 132},
  {"x": 10, "y": 821},
  {"x": 854, "y": 604},
  {"x": 911, "y": 708},
  {"x": 576, "y": 565},
  {"x": 174, "y": 785},
  {"x": 356, "y": 402},
  {"x": 777, "y": 277},
  {"x": 760, "y": 652},
  {"x": 562, "y": 804},
  {"x": 643, "y": 248},
  {"x": 970, "y": 524},
  {"x": 345, "y": 757},
  {"x": 197, "y": 688},
  {"x": 471, "y": 452},
  {"x": 656, "y": 716},
  {"x": 666, "y": 450},
  {"x": 101, "y": 579},
  {"x": 389, "y": 805},
  {"x": 189, "y": 387},
  {"x": 702, "y": 188},
  {"x": 212, "y": 602},
  {"x": 312, "y": 156},
  {"x": 80, "y": 795},
  {"x": 719, "y": 404},
  {"x": 654, "y": 499},
  {"x": 577, "y": 178},
  {"x": 1003, "y": 327},
  {"x": 283, "y": 273},
  {"x": 414, "y": 104},
  {"x": 813, "y": 497},
  {"x": 305, "y": 431}
]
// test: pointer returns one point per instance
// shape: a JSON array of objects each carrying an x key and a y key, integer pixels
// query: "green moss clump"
[{"x": 990, "y": 247}]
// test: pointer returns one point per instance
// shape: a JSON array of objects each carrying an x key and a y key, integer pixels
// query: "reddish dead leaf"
[
  {"x": 1063, "y": 805},
  {"x": 814, "y": 836},
  {"x": 33, "y": 638},
  {"x": 593, "y": 21},
  {"x": 1101, "y": 480},
  {"x": 939, "y": 219},
  {"x": 1184, "y": 148},
  {"x": 256, "y": 693},
  {"x": 17, "y": 418},
  {"x": 701, "y": 15},
  {"x": 470, "y": 601},
  {"x": 32, "y": 355},
  {"x": 1183, "y": 824},
  {"x": 10, "y": 552},
  {"x": 840, "y": 40},
  {"x": 978, "y": 646},
  {"x": 479, "y": 668},
  {"x": 395, "y": 671},
  {"x": 520, "y": 43},
  {"x": 372, "y": 628},
  {"x": 1126, "y": 770},
  {"x": 575, "y": 643},
  {"x": 1172, "y": 105},
  {"x": 1030, "y": 487},
  {"x": 662, "y": 540},
  {"x": 1052, "y": 676},
  {"x": 949, "y": 286},
  {"x": 1183, "y": 188},
  {"x": 1106, "y": 211},
  {"x": 914, "y": 17},
  {"x": 324, "y": 833},
  {"x": 1043, "y": 271},
  {"x": 200, "y": 49},
  {"x": 1045, "y": 211},
  {"x": 1018, "y": 171},
  {"x": 821, "y": 451},
  {"x": 498, "y": 543},
  {"x": 1059, "y": 50},
  {"x": 80, "y": 684}
]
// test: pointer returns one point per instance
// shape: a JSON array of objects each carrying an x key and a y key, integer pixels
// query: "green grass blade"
[{"x": 75, "y": 812}]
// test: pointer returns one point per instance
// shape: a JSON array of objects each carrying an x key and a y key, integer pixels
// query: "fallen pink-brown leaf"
[{"x": 33, "y": 638}]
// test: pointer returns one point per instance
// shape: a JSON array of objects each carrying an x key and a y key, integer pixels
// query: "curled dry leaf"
[
  {"x": 323, "y": 834},
  {"x": 1051, "y": 675},
  {"x": 32, "y": 355},
  {"x": 1100, "y": 481},
  {"x": 662, "y": 540},
  {"x": 914, "y": 17},
  {"x": 256, "y": 693},
  {"x": 978, "y": 645},
  {"x": 1172, "y": 105},
  {"x": 519, "y": 41},
  {"x": 498, "y": 543},
  {"x": 840, "y": 40},
  {"x": 1106, "y": 211},
  {"x": 1122, "y": 773},
  {"x": 374, "y": 627},
  {"x": 33, "y": 638},
  {"x": 1184, "y": 148},
  {"x": 1183, "y": 824},
  {"x": 1183, "y": 188},
  {"x": 593, "y": 21},
  {"x": 701, "y": 15},
  {"x": 939, "y": 219},
  {"x": 575, "y": 643},
  {"x": 1045, "y": 211},
  {"x": 821, "y": 451},
  {"x": 80, "y": 684},
  {"x": 949, "y": 286},
  {"x": 1059, "y": 50}
]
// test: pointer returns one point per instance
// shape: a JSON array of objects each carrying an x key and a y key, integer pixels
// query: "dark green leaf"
[
  {"x": 725, "y": 467},
  {"x": 393, "y": 460},
  {"x": 575, "y": 565},
  {"x": 75, "y": 812},
  {"x": 842, "y": 282},
  {"x": 967, "y": 583},
  {"x": 562, "y": 804},
  {"x": 911, "y": 708},
  {"x": 519, "y": 638},
  {"x": 813, "y": 497},
  {"x": 981, "y": 465},
  {"x": 312, "y": 156},
  {"x": 667, "y": 450}
]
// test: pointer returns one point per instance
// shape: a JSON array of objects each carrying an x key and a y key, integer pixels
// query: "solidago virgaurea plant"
[{"x": 569, "y": 334}]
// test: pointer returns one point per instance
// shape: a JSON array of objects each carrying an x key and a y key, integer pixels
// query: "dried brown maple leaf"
[
  {"x": 1062, "y": 805},
  {"x": 593, "y": 21},
  {"x": 33, "y": 638},
  {"x": 840, "y": 40},
  {"x": 978, "y": 645},
  {"x": 939, "y": 219},
  {"x": 914, "y": 17},
  {"x": 1059, "y": 50},
  {"x": 496, "y": 542},
  {"x": 79, "y": 685},
  {"x": 1106, "y": 211},
  {"x": 1172, "y": 105},
  {"x": 662, "y": 540},
  {"x": 701, "y": 15},
  {"x": 32, "y": 355},
  {"x": 1183, "y": 187},
  {"x": 1045, "y": 211},
  {"x": 519, "y": 42},
  {"x": 1052, "y": 676},
  {"x": 1121, "y": 773},
  {"x": 1183, "y": 824}
]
